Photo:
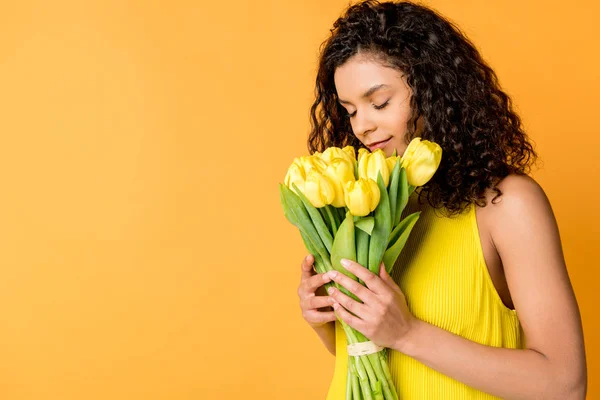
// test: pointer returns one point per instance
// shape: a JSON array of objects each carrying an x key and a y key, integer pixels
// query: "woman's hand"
[
  {"x": 310, "y": 303},
  {"x": 383, "y": 316}
]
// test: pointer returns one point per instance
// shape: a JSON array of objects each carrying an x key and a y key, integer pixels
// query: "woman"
[{"x": 480, "y": 305}]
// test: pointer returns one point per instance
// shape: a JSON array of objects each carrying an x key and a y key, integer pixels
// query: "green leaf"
[
  {"x": 365, "y": 224},
  {"x": 393, "y": 190},
  {"x": 362, "y": 247},
  {"x": 403, "y": 194},
  {"x": 402, "y": 232},
  {"x": 383, "y": 227},
  {"x": 325, "y": 219},
  {"x": 286, "y": 208},
  {"x": 298, "y": 213},
  {"x": 317, "y": 220},
  {"x": 344, "y": 246},
  {"x": 335, "y": 214},
  {"x": 331, "y": 216},
  {"x": 321, "y": 266}
]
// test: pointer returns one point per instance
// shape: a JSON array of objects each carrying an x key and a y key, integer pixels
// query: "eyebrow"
[{"x": 368, "y": 92}]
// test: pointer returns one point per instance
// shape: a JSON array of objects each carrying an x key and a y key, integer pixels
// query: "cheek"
[
  {"x": 398, "y": 144},
  {"x": 397, "y": 124}
]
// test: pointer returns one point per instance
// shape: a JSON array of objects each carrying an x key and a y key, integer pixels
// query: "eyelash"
[{"x": 376, "y": 107}]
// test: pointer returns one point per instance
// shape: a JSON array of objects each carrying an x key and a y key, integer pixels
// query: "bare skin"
[
  {"x": 315, "y": 304},
  {"x": 523, "y": 231},
  {"x": 521, "y": 245}
]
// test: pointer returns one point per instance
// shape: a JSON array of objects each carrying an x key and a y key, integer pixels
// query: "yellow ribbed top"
[{"x": 444, "y": 277}]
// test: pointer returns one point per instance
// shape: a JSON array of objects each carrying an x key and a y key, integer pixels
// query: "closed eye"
[
  {"x": 382, "y": 105},
  {"x": 377, "y": 107}
]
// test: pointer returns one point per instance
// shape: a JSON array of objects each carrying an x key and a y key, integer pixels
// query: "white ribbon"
[{"x": 363, "y": 348}]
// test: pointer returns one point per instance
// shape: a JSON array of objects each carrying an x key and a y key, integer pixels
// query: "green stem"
[
  {"x": 376, "y": 362},
  {"x": 342, "y": 213},
  {"x": 375, "y": 365},
  {"x": 355, "y": 385},
  {"x": 349, "y": 395},
  {"x": 332, "y": 221},
  {"x": 388, "y": 376},
  {"x": 362, "y": 360},
  {"x": 322, "y": 262},
  {"x": 325, "y": 218},
  {"x": 336, "y": 214},
  {"x": 363, "y": 379}
]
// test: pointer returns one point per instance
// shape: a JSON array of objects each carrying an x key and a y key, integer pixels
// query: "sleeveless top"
[{"x": 444, "y": 277}]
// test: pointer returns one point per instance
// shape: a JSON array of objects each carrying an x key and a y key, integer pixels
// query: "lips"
[{"x": 378, "y": 145}]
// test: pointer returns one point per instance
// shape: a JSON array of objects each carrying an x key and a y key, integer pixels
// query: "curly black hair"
[{"x": 454, "y": 92}]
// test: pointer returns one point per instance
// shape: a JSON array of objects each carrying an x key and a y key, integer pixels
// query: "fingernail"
[
  {"x": 330, "y": 290},
  {"x": 345, "y": 263},
  {"x": 332, "y": 274}
]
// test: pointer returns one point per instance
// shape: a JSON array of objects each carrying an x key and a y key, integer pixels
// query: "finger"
[
  {"x": 359, "y": 309},
  {"x": 309, "y": 286},
  {"x": 371, "y": 280},
  {"x": 316, "y": 302},
  {"x": 316, "y": 281},
  {"x": 366, "y": 295},
  {"x": 348, "y": 318},
  {"x": 387, "y": 278},
  {"x": 319, "y": 317},
  {"x": 307, "y": 267},
  {"x": 383, "y": 274}
]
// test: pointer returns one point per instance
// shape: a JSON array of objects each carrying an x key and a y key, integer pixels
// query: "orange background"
[{"x": 143, "y": 250}]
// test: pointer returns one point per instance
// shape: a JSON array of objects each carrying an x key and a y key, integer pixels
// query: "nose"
[{"x": 363, "y": 123}]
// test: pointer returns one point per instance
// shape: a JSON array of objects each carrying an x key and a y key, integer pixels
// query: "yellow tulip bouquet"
[{"x": 351, "y": 208}]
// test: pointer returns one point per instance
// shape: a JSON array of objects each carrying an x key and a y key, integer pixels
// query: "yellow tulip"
[
  {"x": 391, "y": 162},
  {"x": 362, "y": 196},
  {"x": 350, "y": 151},
  {"x": 318, "y": 189},
  {"x": 340, "y": 171},
  {"x": 295, "y": 174},
  {"x": 361, "y": 153},
  {"x": 331, "y": 153},
  {"x": 370, "y": 164},
  {"x": 301, "y": 168},
  {"x": 313, "y": 162},
  {"x": 421, "y": 159}
]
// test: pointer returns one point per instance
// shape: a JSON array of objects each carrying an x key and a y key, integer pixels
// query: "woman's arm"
[
  {"x": 526, "y": 237},
  {"x": 553, "y": 365}
]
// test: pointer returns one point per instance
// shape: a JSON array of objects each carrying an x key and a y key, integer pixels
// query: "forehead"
[{"x": 353, "y": 78}]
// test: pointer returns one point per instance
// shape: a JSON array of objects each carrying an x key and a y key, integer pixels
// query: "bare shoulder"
[
  {"x": 518, "y": 191},
  {"x": 525, "y": 234},
  {"x": 522, "y": 226},
  {"x": 521, "y": 199}
]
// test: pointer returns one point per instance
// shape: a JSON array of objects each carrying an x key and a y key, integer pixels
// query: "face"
[{"x": 377, "y": 99}]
